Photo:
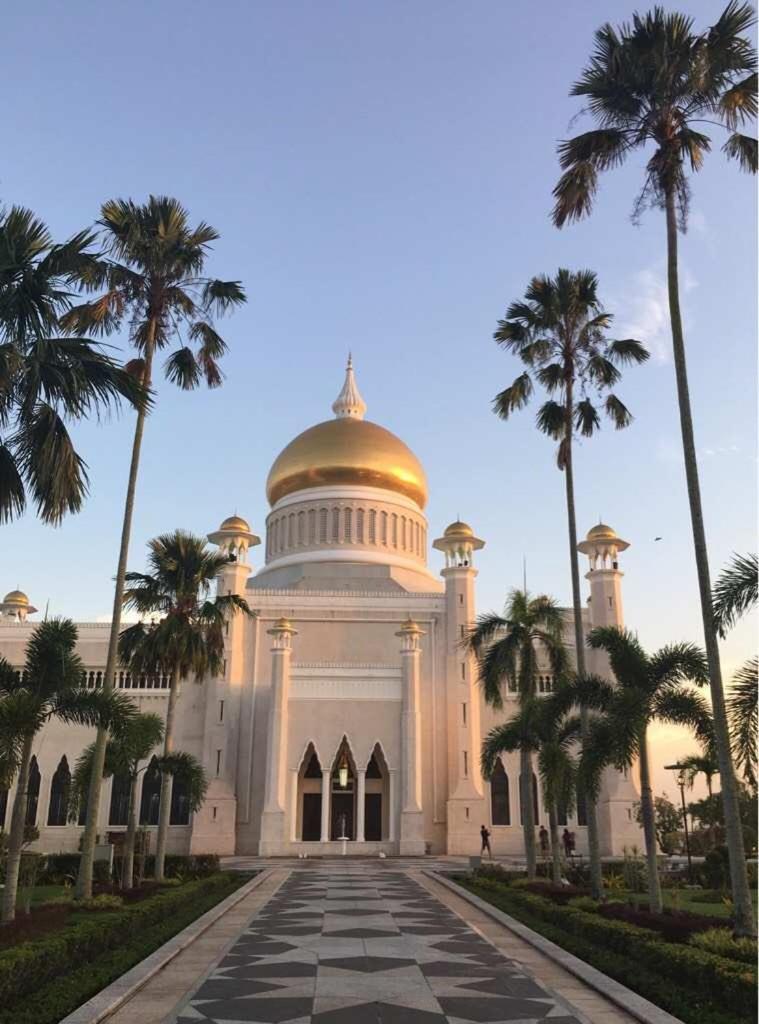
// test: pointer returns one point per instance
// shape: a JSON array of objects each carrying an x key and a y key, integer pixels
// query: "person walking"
[
  {"x": 566, "y": 838},
  {"x": 485, "y": 837}
]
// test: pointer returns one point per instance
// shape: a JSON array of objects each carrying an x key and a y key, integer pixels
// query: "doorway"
[
  {"x": 312, "y": 817},
  {"x": 373, "y": 818},
  {"x": 342, "y": 815}
]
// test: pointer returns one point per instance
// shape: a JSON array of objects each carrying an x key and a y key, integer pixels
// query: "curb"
[
  {"x": 110, "y": 998},
  {"x": 642, "y": 1009}
]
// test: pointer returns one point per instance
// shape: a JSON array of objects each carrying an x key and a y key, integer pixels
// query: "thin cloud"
[{"x": 644, "y": 311}]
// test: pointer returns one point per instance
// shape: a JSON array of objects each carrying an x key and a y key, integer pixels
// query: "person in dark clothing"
[
  {"x": 485, "y": 837},
  {"x": 566, "y": 838},
  {"x": 544, "y": 846}
]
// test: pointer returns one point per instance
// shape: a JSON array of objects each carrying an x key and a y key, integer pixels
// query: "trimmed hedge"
[
  {"x": 697, "y": 986},
  {"x": 62, "y": 867},
  {"x": 53, "y": 961}
]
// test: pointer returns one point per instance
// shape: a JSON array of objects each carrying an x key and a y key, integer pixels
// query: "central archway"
[
  {"x": 343, "y": 794},
  {"x": 309, "y": 810}
]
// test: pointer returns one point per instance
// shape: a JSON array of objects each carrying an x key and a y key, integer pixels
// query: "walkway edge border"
[
  {"x": 113, "y": 996},
  {"x": 644, "y": 1010}
]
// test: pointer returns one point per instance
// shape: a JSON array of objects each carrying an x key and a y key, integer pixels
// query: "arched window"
[
  {"x": 403, "y": 533},
  {"x": 372, "y": 526},
  {"x": 312, "y": 526},
  {"x": 33, "y": 792},
  {"x": 301, "y": 527},
  {"x": 322, "y": 526},
  {"x": 534, "y": 798},
  {"x": 180, "y": 803},
  {"x": 335, "y": 525},
  {"x": 60, "y": 786},
  {"x": 499, "y": 796},
  {"x": 348, "y": 525},
  {"x": 291, "y": 529},
  {"x": 393, "y": 530},
  {"x": 119, "y": 811},
  {"x": 151, "y": 794},
  {"x": 360, "y": 526},
  {"x": 383, "y": 528}
]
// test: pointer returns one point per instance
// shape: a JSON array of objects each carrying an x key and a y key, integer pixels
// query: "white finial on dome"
[{"x": 349, "y": 404}]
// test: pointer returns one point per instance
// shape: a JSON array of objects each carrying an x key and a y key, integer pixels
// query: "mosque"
[{"x": 347, "y": 715}]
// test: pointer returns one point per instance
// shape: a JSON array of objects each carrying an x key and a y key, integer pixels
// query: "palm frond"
[
  {"x": 185, "y": 767},
  {"x": 736, "y": 591},
  {"x": 514, "y": 397},
  {"x": 743, "y": 149},
  {"x": 743, "y": 715}
]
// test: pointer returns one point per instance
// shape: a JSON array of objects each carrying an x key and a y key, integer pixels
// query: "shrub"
[
  {"x": 721, "y": 942},
  {"x": 30, "y": 966},
  {"x": 105, "y": 901},
  {"x": 679, "y": 976},
  {"x": 673, "y": 927},
  {"x": 200, "y": 865},
  {"x": 496, "y": 872},
  {"x": 586, "y": 903},
  {"x": 715, "y": 871},
  {"x": 557, "y": 893}
]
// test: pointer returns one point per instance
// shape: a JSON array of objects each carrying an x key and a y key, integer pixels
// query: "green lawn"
[{"x": 43, "y": 894}]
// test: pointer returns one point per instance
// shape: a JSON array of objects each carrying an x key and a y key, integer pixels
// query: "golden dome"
[
  {"x": 235, "y": 523},
  {"x": 347, "y": 451},
  {"x": 16, "y": 597},
  {"x": 601, "y": 532},
  {"x": 459, "y": 529}
]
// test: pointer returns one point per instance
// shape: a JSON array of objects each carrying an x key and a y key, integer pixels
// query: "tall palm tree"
[
  {"x": 559, "y": 331},
  {"x": 736, "y": 591},
  {"x": 48, "y": 376},
  {"x": 656, "y": 81},
  {"x": 705, "y": 764},
  {"x": 507, "y": 648},
  {"x": 541, "y": 726},
  {"x": 49, "y": 686},
  {"x": 188, "y": 639},
  {"x": 153, "y": 279},
  {"x": 649, "y": 688},
  {"x": 743, "y": 715},
  {"x": 127, "y": 755}
]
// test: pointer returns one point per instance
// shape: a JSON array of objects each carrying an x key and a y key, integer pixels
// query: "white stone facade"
[{"x": 346, "y": 706}]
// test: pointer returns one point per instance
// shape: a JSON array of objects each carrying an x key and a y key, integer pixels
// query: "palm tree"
[
  {"x": 743, "y": 715},
  {"x": 649, "y": 688},
  {"x": 47, "y": 375},
  {"x": 125, "y": 751},
  {"x": 153, "y": 280},
  {"x": 736, "y": 591},
  {"x": 506, "y": 648},
  {"x": 559, "y": 331},
  {"x": 657, "y": 81},
  {"x": 542, "y": 727},
  {"x": 49, "y": 686},
  {"x": 187, "y": 640}
]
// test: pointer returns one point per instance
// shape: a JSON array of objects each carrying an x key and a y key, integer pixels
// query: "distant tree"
[
  {"x": 656, "y": 82},
  {"x": 559, "y": 331},
  {"x": 507, "y": 648},
  {"x": 188, "y": 638},
  {"x": 153, "y": 280},
  {"x": 48, "y": 376},
  {"x": 668, "y": 821}
]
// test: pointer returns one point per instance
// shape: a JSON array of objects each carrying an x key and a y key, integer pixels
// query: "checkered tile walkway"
[{"x": 365, "y": 946}]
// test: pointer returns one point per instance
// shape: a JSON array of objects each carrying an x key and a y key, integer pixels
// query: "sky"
[{"x": 380, "y": 176}]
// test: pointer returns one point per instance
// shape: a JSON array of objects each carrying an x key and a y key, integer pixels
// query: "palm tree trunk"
[
  {"x": 594, "y": 849},
  {"x": 528, "y": 811},
  {"x": 16, "y": 836},
  {"x": 164, "y": 812},
  {"x": 648, "y": 816},
  {"x": 553, "y": 828},
  {"x": 84, "y": 878},
  {"x": 744, "y": 918},
  {"x": 127, "y": 868}
]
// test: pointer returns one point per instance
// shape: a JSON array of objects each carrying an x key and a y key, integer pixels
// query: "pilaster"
[
  {"x": 412, "y": 820},
  {"x": 273, "y": 817}
]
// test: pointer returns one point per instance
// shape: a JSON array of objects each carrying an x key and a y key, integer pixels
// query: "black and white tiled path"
[{"x": 365, "y": 946}]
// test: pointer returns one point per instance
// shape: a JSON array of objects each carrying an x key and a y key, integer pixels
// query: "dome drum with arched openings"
[{"x": 347, "y": 451}]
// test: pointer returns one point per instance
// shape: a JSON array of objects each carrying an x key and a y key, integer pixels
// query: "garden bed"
[
  {"x": 697, "y": 986},
  {"x": 45, "y": 978}
]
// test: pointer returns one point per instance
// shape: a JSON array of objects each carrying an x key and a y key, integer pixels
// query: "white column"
[
  {"x": 391, "y": 788},
  {"x": 293, "y": 804},
  {"x": 326, "y": 780},
  {"x": 273, "y": 834},
  {"x": 412, "y": 822},
  {"x": 360, "y": 803}
]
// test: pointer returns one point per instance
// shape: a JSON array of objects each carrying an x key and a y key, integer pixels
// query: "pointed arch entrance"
[
  {"x": 343, "y": 794},
  {"x": 310, "y": 796},
  {"x": 376, "y": 797}
]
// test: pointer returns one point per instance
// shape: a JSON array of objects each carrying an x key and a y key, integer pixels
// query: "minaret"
[
  {"x": 465, "y": 805},
  {"x": 15, "y": 605},
  {"x": 616, "y": 821},
  {"x": 213, "y": 827},
  {"x": 602, "y": 546}
]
